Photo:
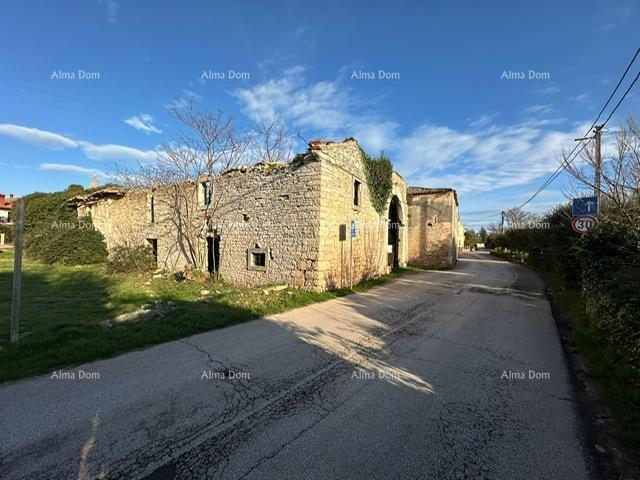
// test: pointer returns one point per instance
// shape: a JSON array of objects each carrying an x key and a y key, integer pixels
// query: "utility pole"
[
  {"x": 597, "y": 167},
  {"x": 598, "y": 162},
  {"x": 17, "y": 271},
  {"x": 502, "y": 223}
]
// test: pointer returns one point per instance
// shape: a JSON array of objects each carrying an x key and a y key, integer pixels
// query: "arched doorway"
[{"x": 393, "y": 242}]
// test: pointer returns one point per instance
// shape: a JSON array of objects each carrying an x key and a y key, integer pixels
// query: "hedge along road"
[{"x": 449, "y": 374}]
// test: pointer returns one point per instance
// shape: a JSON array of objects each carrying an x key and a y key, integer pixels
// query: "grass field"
[{"x": 62, "y": 307}]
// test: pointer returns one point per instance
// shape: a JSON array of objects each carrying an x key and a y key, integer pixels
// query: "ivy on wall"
[{"x": 379, "y": 171}]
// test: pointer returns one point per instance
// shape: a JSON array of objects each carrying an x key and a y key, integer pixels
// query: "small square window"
[
  {"x": 356, "y": 193},
  {"x": 257, "y": 259}
]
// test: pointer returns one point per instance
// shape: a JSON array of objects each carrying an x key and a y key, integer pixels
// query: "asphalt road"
[{"x": 425, "y": 377}]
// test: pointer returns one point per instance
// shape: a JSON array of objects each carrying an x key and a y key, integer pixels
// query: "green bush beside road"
[
  {"x": 53, "y": 233},
  {"x": 595, "y": 278}
]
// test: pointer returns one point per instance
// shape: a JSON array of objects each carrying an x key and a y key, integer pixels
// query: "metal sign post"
[
  {"x": 17, "y": 271},
  {"x": 342, "y": 237},
  {"x": 353, "y": 234}
]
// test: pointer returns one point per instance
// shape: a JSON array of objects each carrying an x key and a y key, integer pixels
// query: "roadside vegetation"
[
  {"x": 64, "y": 306},
  {"x": 595, "y": 277}
]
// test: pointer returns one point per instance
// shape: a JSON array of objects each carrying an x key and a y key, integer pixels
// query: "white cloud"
[
  {"x": 185, "y": 98},
  {"x": 501, "y": 157},
  {"x": 481, "y": 121},
  {"x": 112, "y": 10},
  {"x": 548, "y": 91},
  {"x": 65, "y": 167},
  {"x": 328, "y": 109},
  {"x": 579, "y": 98},
  {"x": 42, "y": 138},
  {"x": 470, "y": 160},
  {"x": 535, "y": 109},
  {"x": 143, "y": 123},
  {"x": 116, "y": 153}
]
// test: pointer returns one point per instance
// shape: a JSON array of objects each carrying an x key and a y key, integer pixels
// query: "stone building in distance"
[
  {"x": 436, "y": 234},
  {"x": 309, "y": 223}
]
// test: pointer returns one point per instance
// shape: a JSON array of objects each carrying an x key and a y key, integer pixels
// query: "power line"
[
  {"x": 567, "y": 160},
  {"x": 615, "y": 90},
  {"x": 623, "y": 97}
]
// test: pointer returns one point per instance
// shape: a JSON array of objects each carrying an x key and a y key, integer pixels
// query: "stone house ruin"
[
  {"x": 309, "y": 223},
  {"x": 436, "y": 234},
  {"x": 272, "y": 223}
]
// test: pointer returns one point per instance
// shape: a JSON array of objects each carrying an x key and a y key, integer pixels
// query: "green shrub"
[
  {"x": 125, "y": 259},
  {"x": 53, "y": 233},
  {"x": 379, "y": 172},
  {"x": 8, "y": 231},
  {"x": 610, "y": 262}
]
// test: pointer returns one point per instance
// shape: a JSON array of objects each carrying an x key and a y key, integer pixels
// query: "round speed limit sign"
[{"x": 584, "y": 223}]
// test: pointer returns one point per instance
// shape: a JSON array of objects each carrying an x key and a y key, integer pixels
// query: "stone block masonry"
[
  {"x": 281, "y": 223},
  {"x": 434, "y": 226}
]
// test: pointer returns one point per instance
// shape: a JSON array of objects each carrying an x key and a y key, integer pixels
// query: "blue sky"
[{"x": 448, "y": 120}]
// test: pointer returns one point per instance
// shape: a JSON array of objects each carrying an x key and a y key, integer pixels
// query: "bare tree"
[
  {"x": 270, "y": 141},
  {"x": 517, "y": 218},
  {"x": 183, "y": 181},
  {"x": 620, "y": 178}
]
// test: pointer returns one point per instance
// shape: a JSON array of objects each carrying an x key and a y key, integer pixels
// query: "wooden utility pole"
[
  {"x": 17, "y": 271},
  {"x": 502, "y": 223},
  {"x": 598, "y": 163}
]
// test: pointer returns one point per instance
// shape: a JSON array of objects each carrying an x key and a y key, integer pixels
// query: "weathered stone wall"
[
  {"x": 121, "y": 220},
  {"x": 433, "y": 229},
  {"x": 292, "y": 212},
  {"x": 341, "y": 167},
  {"x": 274, "y": 207}
]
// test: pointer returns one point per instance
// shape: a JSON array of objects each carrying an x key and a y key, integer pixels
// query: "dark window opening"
[
  {"x": 153, "y": 243},
  {"x": 152, "y": 207},
  {"x": 207, "y": 192},
  {"x": 259, "y": 259},
  {"x": 213, "y": 254},
  {"x": 356, "y": 193}
]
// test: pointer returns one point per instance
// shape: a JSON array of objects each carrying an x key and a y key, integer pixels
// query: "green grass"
[
  {"x": 619, "y": 382},
  {"x": 62, "y": 307}
]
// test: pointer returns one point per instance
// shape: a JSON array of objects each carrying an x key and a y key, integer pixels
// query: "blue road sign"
[
  {"x": 353, "y": 228},
  {"x": 585, "y": 206}
]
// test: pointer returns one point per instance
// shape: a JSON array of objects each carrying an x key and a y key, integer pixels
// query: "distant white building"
[{"x": 5, "y": 207}]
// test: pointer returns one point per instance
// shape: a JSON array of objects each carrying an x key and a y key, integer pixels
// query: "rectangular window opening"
[
  {"x": 207, "y": 192},
  {"x": 257, "y": 259},
  {"x": 356, "y": 193}
]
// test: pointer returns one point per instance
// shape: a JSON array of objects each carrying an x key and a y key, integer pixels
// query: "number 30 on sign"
[{"x": 584, "y": 223}]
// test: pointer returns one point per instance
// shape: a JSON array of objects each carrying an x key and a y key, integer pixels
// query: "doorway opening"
[
  {"x": 213, "y": 253},
  {"x": 153, "y": 243},
  {"x": 393, "y": 242}
]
